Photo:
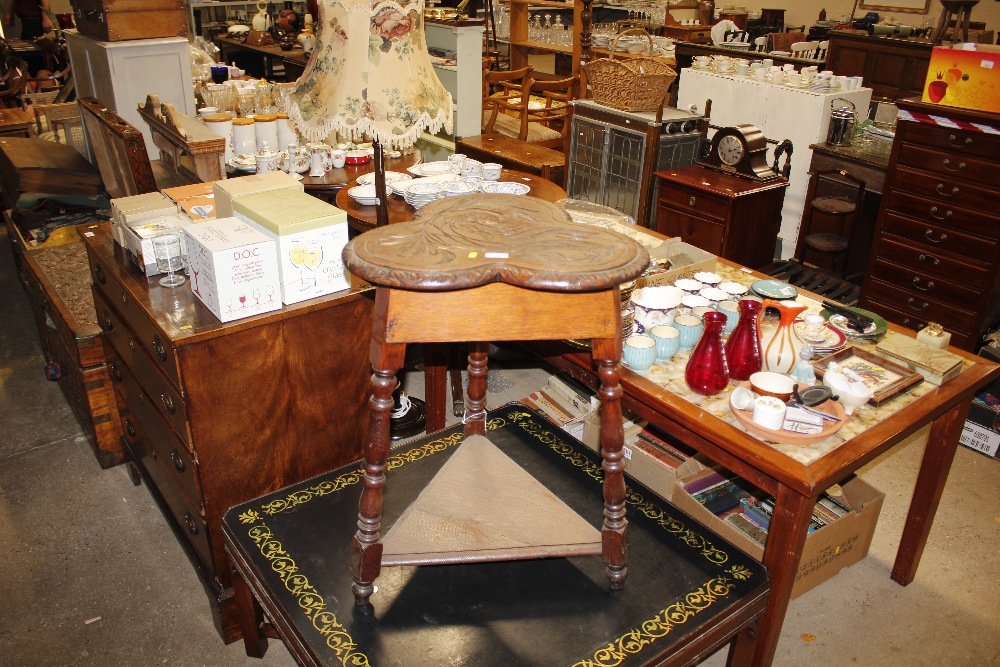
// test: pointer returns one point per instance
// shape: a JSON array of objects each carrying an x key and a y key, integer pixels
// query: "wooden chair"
[
  {"x": 433, "y": 287},
  {"x": 805, "y": 50},
  {"x": 736, "y": 36},
  {"x": 821, "y": 50},
  {"x": 13, "y": 84},
  {"x": 64, "y": 122},
  {"x": 829, "y": 220},
  {"x": 760, "y": 44},
  {"x": 33, "y": 100}
]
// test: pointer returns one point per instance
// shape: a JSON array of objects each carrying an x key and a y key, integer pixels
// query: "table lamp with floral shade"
[{"x": 370, "y": 76}]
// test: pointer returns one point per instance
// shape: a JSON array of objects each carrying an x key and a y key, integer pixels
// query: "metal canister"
[{"x": 843, "y": 120}]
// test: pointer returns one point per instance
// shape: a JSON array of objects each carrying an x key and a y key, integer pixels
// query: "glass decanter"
[
  {"x": 707, "y": 372},
  {"x": 743, "y": 351}
]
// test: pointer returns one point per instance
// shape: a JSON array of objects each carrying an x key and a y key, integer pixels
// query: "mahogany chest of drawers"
[
  {"x": 936, "y": 250},
  {"x": 218, "y": 414}
]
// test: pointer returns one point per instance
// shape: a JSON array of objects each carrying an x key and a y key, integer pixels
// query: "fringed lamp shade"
[{"x": 370, "y": 74}]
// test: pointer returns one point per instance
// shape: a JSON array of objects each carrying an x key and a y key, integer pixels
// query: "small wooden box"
[
  {"x": 117, "y": 20},
  {"x": 57, "y": 280}
]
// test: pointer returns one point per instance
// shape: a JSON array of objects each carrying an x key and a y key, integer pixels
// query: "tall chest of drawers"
[
  {"x": 936, "y": 252},
  {"x": 217, "y": 414}
]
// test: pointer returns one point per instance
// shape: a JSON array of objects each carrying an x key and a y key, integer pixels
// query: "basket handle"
[{"x": 640, "y": 31}]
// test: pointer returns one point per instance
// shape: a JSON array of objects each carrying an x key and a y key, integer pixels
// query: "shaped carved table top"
[{"x": 472, "y": 240}]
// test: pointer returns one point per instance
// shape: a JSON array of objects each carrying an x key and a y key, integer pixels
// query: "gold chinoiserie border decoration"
[
  {"x": 638, "y": 639},
  {"x": 337, "y": 638},
  {"x": 651, "y": 510},
  {"x": 309, "y": 600}
]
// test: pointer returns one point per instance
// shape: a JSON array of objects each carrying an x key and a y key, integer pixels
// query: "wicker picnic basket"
[{"x": 630, "y": 84}]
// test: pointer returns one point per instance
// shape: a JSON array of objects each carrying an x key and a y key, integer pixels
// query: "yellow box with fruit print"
[{"x": 965, "y": 76}]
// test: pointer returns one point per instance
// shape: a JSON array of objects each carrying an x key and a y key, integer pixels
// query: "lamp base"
[{"x": 408, "y": 421}]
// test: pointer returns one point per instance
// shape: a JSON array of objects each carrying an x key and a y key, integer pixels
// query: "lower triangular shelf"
[{"x": 482, "y": 506}]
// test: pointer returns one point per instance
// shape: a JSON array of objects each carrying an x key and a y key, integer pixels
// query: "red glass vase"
[
  {"x": 743, "y": 352},
  {"x": 707, "y": 372}
]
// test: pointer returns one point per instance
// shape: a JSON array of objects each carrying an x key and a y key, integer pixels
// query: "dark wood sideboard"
[
  {"x": 218, "y": 414},
  {"x": 892, "y": 67},
  {"x": 936, "y": 252}
]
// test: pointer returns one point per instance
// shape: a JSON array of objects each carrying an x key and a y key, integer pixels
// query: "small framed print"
[{"x": 885, "y": 378}]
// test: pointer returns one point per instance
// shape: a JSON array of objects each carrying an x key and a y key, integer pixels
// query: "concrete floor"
[{"x": 94, "y": 576}]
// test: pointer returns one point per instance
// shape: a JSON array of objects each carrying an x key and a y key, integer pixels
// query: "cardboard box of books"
[{"x": 840, "y": 534}]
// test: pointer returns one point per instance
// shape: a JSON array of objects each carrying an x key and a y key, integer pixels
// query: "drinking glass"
[
  {"x": 167, "y": 249},
  {"x": 247, "y": 104},
  {"x": 220, "y": 73},
  {"x": 297, "y": 256},
  {"x": 313, "y": 258}
]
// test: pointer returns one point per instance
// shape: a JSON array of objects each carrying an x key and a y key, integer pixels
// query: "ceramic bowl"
[
  {"x": 364, "y": 194},
  {"x": 769, "y": 383},
  {"x": 504, "y": 188},
  {"x": 357, "y": 157},
  {"x": 654, "y": 306}
]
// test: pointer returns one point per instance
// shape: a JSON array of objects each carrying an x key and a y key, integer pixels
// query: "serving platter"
[{"x": 782, "y": 437}]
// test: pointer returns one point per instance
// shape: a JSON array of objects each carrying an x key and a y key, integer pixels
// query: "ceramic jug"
[
  {"x": 781, "y": 346},
  {"x": 261, "y": 20}
]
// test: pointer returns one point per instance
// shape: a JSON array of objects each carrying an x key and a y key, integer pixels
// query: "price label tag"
[{"x": 981, "y": 439}]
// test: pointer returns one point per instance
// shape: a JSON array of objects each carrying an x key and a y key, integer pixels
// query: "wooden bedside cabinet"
[
  {"x": 731, "y": 217},
  {"x": 216, "y": 414}
]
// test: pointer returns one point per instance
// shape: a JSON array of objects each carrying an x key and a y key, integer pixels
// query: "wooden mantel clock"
[{"x": 741, "y": 151}]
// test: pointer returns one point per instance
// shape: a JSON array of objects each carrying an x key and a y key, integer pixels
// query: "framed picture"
[
  {"x": 912, "y": 6},
  {"x": 883, "y": 377}
]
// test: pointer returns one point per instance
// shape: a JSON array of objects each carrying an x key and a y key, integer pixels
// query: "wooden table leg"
[
  {"x": 785, "y": 540},
  {"x": 938, "y": 455},
  {"x": 436, "y": 385}
]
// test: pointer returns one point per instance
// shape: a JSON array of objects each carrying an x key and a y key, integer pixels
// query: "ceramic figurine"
[{"x": 803, "y": 372}]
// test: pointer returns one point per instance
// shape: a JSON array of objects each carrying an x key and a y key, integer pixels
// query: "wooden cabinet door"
[{"x": 699, "y": 232}]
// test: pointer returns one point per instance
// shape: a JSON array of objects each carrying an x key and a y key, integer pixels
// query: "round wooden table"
[
  {"x": 329, "y": 184},
  {"x": 361, "y": 218}
]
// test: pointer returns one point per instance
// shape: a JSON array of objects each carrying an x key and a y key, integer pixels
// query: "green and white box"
[
  {"x": 229, "y": 190},
  {"x": 234, "y": 268},
  {"x": 310, "y": 234},
  {"x": 130, "y": 210}
]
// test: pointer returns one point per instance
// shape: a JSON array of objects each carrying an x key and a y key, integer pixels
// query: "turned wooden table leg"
[{"x": 614, "y": 533}]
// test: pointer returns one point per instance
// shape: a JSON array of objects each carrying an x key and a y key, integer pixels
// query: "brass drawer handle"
[
  {"x": 158, "y": 348},
  {"x": 190, "y": 523},
  {"x": 129, "y": 427},
  {"x": 99, "y": 272},
  {"x": 952, "y": 139},
  {"x": 916, "y": 325},
  {"x": 946, "y": 163},
  {"x": 692, "y": 201},
  {"x": 168, "y": 403},
  {"x": 934, "y": 214},
  {"x": 913, "y": 304},
  {"x": 940, "y": 239},
  {"x": 178, "y": 462},
  {"x": 131, "y": 344},
  {"x": 106, "y": 323},
  {"x": 117, "y": 374},
  {"x": 124, "y": 298},
  {"x": 940, "y": 190},
  {"x": 916, "y": 283},
  {"x": 929, "y": 258}
]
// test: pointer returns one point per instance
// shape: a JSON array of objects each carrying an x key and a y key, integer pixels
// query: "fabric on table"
[{"x": 720, "y": 29}]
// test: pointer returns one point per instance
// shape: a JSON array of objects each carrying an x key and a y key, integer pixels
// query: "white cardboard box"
[
  {"x": 234, "y": 188},
  {"x": 311, "y": 235},
  {"x": 234, "y": 268},
  {"x": 137, "y": 239},
  {"x": 130, "y": 210}
]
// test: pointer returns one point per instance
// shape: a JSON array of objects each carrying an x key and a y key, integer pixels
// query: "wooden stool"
[
  {"x": 828, "y": 249},
  {"x": 960, "y": 10},
  {"x": 478, "y": 269}
]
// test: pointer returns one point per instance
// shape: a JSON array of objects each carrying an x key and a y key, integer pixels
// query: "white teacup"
[
  {"x": 793, "y": 78},
  {"x": 456, "y": 162},
  {"x": 338, "y": 158},
  {"x": 742, "y": 69},
  {"x": 491, "y": 171},
  {"x": 761, "y": 73},
  {"x": 767, "y": 62},
  {"x": 207, "y": 111}
]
